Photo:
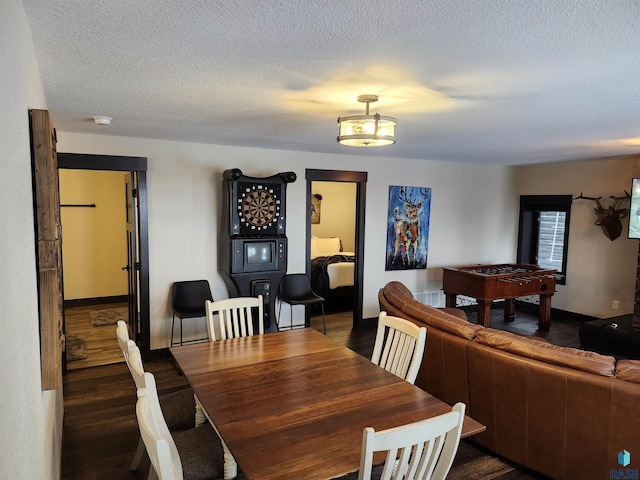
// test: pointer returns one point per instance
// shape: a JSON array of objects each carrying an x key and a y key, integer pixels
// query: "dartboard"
[{"x": 259, "y": 206}]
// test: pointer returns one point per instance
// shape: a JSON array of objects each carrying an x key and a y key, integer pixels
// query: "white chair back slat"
[
  {"x": 122, "y": 333},
  {"x": 399, "y": 346},
  {"x": 419, "y": 451},
  {"x": 136, "y": 367},
  {"x": 406, "y": 348},
  {"x": 234, "y": 317}
]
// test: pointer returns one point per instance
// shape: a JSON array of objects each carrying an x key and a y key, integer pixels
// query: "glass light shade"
[{"x": 366, "y": 130}]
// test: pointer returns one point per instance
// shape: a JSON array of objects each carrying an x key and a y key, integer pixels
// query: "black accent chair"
[
  {"x": 187, "y": 301},
  {"x": 295, "y": 289}
]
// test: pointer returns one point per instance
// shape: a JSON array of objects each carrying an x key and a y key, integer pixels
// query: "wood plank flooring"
[
  {"x": 100, "y": 431},
  {"x": 101, "y": 349}
]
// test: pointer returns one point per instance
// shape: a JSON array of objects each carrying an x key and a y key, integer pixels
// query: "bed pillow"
[{"x": 322, "y": 247}]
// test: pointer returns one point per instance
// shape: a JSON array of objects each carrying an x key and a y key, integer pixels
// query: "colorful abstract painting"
[{"x": 408, "y": 228}]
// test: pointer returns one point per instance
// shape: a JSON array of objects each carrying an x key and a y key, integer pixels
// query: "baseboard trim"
[
  {"x": 85, "y": 302},
  {"x": 533, "y": 309},
  {"x": 159, "y": 354},
  {"x": 366, "y": 322}
]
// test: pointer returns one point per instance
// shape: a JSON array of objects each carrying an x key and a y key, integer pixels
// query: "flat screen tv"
[
  {"x": 249, "y": 255},
  {"x": 634, "y": 209},
  {"x": 259, "y": 252}
]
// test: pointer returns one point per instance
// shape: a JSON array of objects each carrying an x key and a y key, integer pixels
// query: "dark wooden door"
[{"x": 133, "y": 253}]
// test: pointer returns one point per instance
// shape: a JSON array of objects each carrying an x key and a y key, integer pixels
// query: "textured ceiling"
[{"x": 493, "y": 81}]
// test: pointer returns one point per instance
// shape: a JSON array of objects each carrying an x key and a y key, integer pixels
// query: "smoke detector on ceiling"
[{"x": 102, "y": 120}]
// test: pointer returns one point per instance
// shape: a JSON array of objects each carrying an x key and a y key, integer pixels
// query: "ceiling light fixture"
[{"x": 366, "y": 130}]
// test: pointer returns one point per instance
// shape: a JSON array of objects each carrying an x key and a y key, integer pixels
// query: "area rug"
[
  {"x": 109, "y": 316},
  {"x": 76, "y": 347}
]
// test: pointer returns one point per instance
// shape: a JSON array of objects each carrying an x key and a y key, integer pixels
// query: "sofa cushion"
[
  {"x": 456, "y": 312},
  {"x": 401, "y": 298},
  {"x": 545, "y": 352},
  {"x": 397, "y": 293},
  {"x": 628, "y": 370},
  {"x": 432, "y": 317}
]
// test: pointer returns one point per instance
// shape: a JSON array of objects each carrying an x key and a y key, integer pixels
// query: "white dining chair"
[
  {"x": 194, "y": 454},
  {"x": 179, "y": 408},
  {"x": 226, "y": 319},
  {"x": 234, "y": 317},
  {"x": 418, "y": 451},
  {"x": 399, "y": 346}
]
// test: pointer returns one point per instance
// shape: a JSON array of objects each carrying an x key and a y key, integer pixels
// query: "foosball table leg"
[
  {"x": 509, "y": 310},
  {"x": 484, "y": 312},
  {"x": 544, "y": 314},
  {"x": 451, "y": 299}
]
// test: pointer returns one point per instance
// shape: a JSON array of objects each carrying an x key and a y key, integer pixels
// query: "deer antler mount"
[{"x": 608, "y": 218}]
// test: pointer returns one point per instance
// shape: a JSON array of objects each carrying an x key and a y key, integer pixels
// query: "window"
[{"x": 543, "y": 235}]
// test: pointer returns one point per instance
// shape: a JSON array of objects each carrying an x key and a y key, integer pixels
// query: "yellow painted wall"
[
  {"x": 337, "y": 212},
  {"x": 94, "y": 242}
]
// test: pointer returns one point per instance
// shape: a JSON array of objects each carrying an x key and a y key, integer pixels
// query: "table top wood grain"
[{"x": 294, "y": 404}]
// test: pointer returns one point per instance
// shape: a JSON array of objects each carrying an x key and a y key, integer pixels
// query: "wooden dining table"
[{"x": 294, "y": 404}]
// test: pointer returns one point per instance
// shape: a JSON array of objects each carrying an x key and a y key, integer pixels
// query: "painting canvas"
[
  {"x": 316, "y": 200},
  {"x": 408, "y": 228}
]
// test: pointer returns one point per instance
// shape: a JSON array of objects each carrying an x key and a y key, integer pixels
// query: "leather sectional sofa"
[{"x": 563, "y": 412}]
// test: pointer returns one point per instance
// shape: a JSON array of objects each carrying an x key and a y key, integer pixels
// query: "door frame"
[
  {"x": 85, "y": 161},
  {"x": 360, "y": 179}
]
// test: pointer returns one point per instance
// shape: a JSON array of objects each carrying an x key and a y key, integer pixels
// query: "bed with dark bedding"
[{"x": 332, "y": 270}]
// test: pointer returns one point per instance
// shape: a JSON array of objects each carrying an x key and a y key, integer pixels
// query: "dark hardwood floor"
[{"x": 100, "y": 431}]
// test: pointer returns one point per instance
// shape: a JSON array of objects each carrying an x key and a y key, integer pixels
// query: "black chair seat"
[
  {"x": 193, "y": 313},
  {"x": 309, "y": 299},
  {"x": 188, "y": 301},
  {"x": 295, "y": 289}
]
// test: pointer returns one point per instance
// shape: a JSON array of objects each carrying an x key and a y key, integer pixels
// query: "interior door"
[
  {"x": 338, "y": 223},
  {"x": 133, "y": 255},
  {"x": 360, "y": 178},
  {"x": 85, "y": 161}
]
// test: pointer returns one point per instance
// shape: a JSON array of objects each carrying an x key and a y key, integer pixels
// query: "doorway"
[
  {"x": 358, "y": 179},
  {"x": 94, "y": 250},
  {"x": 133, "y": 305}
]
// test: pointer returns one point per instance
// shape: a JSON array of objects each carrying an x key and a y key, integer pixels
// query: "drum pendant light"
[{"x": 366, "y": 130}]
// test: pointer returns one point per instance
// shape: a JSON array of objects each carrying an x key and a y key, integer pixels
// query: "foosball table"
[{"x": 487, "y": 283}]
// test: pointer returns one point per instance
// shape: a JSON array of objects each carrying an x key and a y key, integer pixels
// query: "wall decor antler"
[{"x": 608, "y": 218}]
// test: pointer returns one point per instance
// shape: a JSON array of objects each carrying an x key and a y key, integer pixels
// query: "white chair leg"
[
  {"x": 137, "y": 458},
  {"x": 152, "y": 474}
]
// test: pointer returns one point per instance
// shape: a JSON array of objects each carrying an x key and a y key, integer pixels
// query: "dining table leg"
[
  {"x": 201, "y": 417},
  {"x": 230, "y": 468},
  {"x": 230, "y": 465}
]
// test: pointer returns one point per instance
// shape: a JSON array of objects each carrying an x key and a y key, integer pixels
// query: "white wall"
[
  {"x": 473, "y": 212},
  {"x": 598, "y": 270},
  {"x": 31, "y": 420}
]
